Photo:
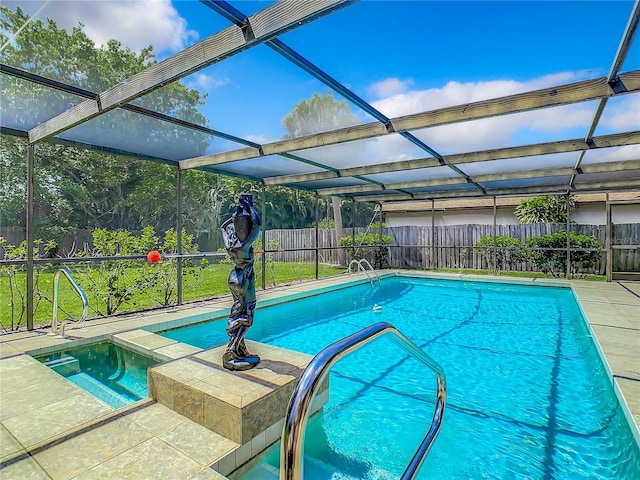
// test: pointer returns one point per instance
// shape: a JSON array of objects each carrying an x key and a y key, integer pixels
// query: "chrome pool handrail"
[
  {"x": 361, "y": 264},
  {"x": 79, "y": 290},
  {"x": 291, "y": 461}
]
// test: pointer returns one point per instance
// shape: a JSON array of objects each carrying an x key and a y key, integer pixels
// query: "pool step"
[
  {"x": 65, "y": 366},
  {"x": 313, "y": 469},
  {"x": 262, "y": 471},
  {"x": 97, "y": 389}
]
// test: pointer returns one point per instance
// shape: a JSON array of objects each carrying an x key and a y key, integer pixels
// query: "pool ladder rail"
[
  {"x": 364, "y": 266},
  {"x": 58, "y": 329},
  {"x": 291, "y": 461}
]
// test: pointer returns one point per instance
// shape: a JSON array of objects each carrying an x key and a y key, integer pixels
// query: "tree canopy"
[
  {"x": 322, "y": 113},
  {"x": 545, "y": 209},
  {"x": 77, "y": 188}
]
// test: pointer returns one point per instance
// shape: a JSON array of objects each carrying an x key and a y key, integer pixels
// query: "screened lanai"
[{"x": 514, "y": 116}]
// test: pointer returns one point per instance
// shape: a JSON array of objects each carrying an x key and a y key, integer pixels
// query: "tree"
[
  {"x": 321, "y": 113},
  {"x": 548, "y": 252},
  {"x": 318, "y": 114},
  {"x": 545, "y": 209},
  {"x": 77, "y": 188}
]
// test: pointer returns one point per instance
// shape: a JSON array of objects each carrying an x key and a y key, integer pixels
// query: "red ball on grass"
[{"x": 153, "y": 256}]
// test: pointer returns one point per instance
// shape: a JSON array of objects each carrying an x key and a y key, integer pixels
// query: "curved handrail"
[
  {"x": 291, "y": 462},
  {"x": 361, "y": 264},
  {"x": 354, "y": 261},
  {"x": 78, "y": 289}
]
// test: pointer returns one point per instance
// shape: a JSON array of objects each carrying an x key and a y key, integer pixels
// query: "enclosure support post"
[
  {"x": 30, "y": 223},
  {"x": 353, "y": 226},
  {"x": 380, "y": 235},
  {"x": 568, "y": 240},
  {"x": 179, "y": 233},
  {"x": 263, "y": 198},
  {"x": 608, "y": 240},
  {"x": 434, "y": 253},
  {"x": 317, "y": 217},
  {"x": 495, "y": 240}
]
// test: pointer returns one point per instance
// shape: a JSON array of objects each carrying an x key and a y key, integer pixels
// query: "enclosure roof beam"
[
  {"x": 620, "y": 56},
  {"x": 47, "y": 82},
  {"x": 390, "y": 197},
  {"x": 492, "y": 177},
  {"x": 274, "y": 20},
  {"x": 563, "y": 146},
  {"x": 602, "y": 186},
  {"x": 547, "y": 97},
  {"x": 235, "y": 16},
  {"x": 625, "y": 43}
]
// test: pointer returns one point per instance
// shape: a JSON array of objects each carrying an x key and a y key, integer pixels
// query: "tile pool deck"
[{"x": 51, "y": 429}]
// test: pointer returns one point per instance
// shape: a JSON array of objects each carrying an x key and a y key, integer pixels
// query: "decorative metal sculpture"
[{"x": 239, "y": 232}]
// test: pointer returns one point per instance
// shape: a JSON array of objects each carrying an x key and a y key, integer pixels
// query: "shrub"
[
  {"x": 368, "y": 246},
  {"x": 554, "y": 259},
  {"x": 507, "y": 253},
  {"x": 16, "y": 286}
]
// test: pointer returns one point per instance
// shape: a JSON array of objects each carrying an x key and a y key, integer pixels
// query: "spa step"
[
  {"x": 97, "y": 389},
  {"x": 65, "y": 365}
]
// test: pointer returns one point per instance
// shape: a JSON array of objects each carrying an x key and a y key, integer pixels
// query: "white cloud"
[
  {"x": 134, "y": 23},
  {"x": 622, "y": 115},
  {"x": 456, "y": 93},
  {"x": 260, "y": 139},
  {"x": 615, "y": 154},
  {"x": 538, "y": 125},
  {"x": 204, "y": 82},
  {"x": 389, "y": 87}
]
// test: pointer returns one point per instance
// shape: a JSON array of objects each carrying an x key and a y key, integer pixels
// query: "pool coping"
[{"x": 603, "y": 306}]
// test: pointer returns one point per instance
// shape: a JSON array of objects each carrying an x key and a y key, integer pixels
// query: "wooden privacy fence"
[
  {"x": 300, "y": 244},
  {"x": 413, "y": 246},
  {"x": 449, "y": 246}
]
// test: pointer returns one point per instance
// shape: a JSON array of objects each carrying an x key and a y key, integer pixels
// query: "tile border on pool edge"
[
  {"x": 219, "y": 314},
  {"x": 626, "y": 410}
]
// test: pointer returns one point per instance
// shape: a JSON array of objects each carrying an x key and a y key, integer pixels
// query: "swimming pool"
[
  {"x": 528, "y": 396},
  {"x": 114, "y": 374}
]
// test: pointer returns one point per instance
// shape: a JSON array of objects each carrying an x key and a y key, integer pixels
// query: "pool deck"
[{"x": 51, "y": 429}]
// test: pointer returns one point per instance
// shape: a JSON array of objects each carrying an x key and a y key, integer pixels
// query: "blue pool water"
[
  {"x": 113, "y": 374},
  {"x": 528, "y": 396}
]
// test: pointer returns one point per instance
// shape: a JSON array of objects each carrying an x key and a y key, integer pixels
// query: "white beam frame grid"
[{"x": 285, "y": 15}]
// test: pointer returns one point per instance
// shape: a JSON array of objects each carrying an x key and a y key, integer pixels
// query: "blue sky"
[{"x": 401, "y": 56}]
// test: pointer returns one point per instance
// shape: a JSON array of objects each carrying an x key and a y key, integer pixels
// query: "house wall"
[
  {"x": 481, "y": 216},
  {"x": 585, "y": 214},
  {"x": 590, "y": 214}
]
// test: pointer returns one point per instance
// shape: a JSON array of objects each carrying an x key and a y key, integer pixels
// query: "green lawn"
[{"x": 198, "y": 284}]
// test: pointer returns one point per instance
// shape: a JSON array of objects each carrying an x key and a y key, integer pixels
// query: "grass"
[{"x": 210, "y": 281}]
